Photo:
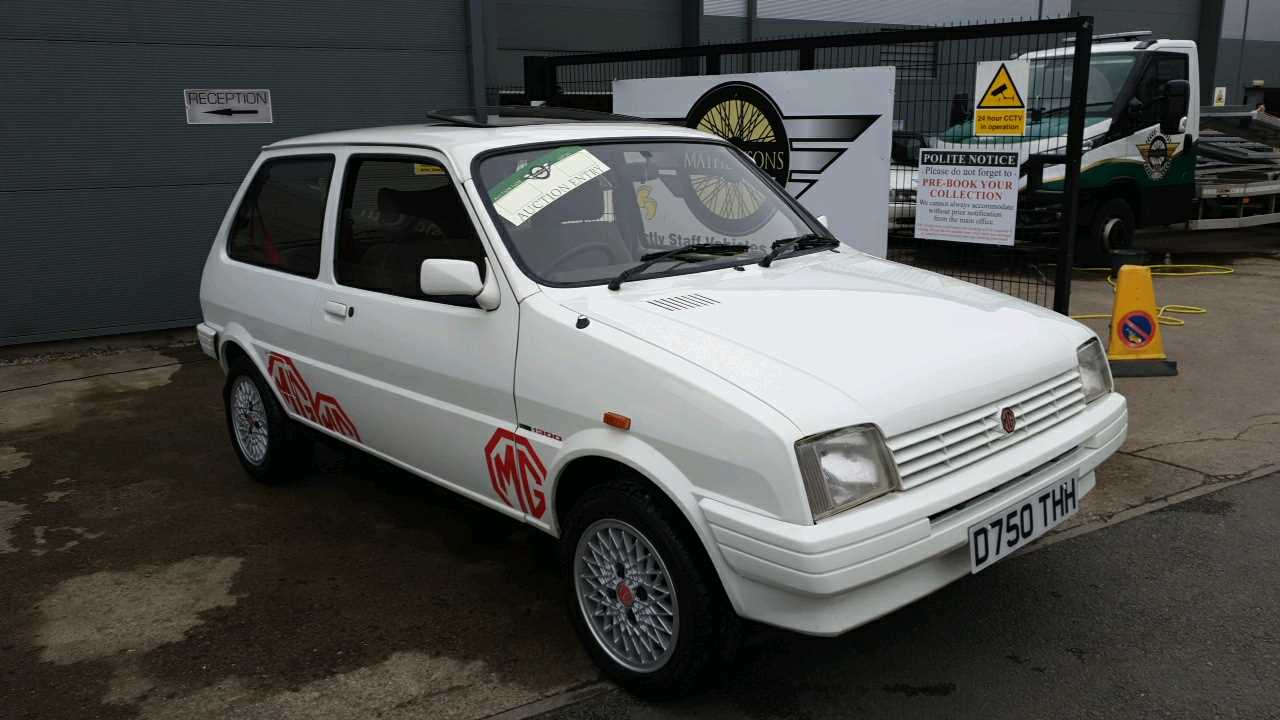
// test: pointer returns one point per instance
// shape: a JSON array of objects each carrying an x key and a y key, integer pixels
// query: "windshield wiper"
[
  {"x": 800, "y": 242},
  {"x": 649, "y": 259}
]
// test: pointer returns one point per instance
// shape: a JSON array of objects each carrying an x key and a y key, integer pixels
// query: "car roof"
[{"x": 461, "y": 144}]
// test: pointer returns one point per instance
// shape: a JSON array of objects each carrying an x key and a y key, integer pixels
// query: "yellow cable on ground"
[{"x": 1163, "y": 315}]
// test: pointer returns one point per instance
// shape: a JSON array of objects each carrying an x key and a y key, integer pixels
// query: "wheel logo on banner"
[
  {"x": 1137, "y": 329},
  {"x": 745, "y": 116}
]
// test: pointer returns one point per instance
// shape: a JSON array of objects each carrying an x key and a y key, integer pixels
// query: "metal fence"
[{"x": 935, "y": 80}]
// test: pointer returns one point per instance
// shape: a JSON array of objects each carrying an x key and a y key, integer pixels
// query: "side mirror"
[
  {"x": 1176, "y": 96},
  {"x": 1134, "y": 108},
  {"x": 445, "y": 277},
  {"x": 823, "y": 219}
]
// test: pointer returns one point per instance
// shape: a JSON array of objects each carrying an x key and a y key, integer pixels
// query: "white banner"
[{"x": 824, "y": 135}]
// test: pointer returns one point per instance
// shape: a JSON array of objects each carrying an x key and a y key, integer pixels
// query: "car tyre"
[
  {"x": 643, "y": 522},
  {"x": 1111, "y": 229},
  {"x": 272, "y": 448}
]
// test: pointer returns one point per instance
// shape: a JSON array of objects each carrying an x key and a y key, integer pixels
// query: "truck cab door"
[{"x": 1162, "y": 158}]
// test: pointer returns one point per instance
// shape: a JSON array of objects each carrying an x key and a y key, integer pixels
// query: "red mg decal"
[
  {"x": 516, "y": 472},
  {"x": 319, "y": 408}
]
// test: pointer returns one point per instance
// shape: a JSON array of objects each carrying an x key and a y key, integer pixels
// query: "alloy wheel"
[
  {"x": 249, "y": 418},
  {"x": 625, "y": 595}
]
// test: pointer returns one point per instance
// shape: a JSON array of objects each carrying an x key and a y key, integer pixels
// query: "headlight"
[
  {"x": 1095, "y": 371},
  {"x": 844, "y": 468}
]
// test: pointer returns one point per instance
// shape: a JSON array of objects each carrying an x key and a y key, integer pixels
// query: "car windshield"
[
  {"x": 1051, "y": 82},
  {"x": 581, "y": 214}
]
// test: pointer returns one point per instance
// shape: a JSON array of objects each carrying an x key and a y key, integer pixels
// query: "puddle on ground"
[
  {"x": 11, "y": 459},
  {"x": 59, "y": 539},
  {"x": 405, "y": 685},
  {"x": 25, "y": 406},
  {"x": 10, "y": 515},
  {"x": 100, "y": 615}
]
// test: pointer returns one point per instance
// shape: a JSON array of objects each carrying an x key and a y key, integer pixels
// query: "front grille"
[{"x": 932, "y": 451}]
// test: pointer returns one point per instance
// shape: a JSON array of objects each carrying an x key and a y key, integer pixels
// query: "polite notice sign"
[
  {"x": 998, "y": 92},
  {"x": 967, "y": 196},
  {"x": 227, "y": 107}
]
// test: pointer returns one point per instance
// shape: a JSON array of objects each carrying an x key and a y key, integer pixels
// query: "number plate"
[{"x": 1002, "y": 533}]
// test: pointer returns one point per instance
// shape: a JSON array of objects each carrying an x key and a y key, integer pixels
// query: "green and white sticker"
[{"x": 534, "y": 187}]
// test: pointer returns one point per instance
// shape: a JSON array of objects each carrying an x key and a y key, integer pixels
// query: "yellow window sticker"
[
  {"x": 644, "y": 196},
  {"x": 427, "y": 169}
]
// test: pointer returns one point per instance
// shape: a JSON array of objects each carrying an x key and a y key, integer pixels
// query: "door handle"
[{"x": 339, "y": 310}]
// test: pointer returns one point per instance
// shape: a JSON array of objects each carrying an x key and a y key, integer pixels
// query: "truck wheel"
[
  {"x": 642, "y": 595},
  {"x": 1111, "y": 229},
  {"x": 270, "y": 446}
]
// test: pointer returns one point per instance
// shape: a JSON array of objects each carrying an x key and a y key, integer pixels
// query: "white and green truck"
[{"x": 1139, "y": 165}]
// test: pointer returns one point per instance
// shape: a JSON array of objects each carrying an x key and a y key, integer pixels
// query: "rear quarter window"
[{"x": 280, "y": 221}]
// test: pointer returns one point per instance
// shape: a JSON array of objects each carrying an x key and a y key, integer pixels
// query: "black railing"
[{"x": 935, "y": 78}]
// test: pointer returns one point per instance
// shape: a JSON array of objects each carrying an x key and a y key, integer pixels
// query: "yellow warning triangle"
[{"x": 1001, "y": 93}]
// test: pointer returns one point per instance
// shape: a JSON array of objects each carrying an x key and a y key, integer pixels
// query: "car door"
[{"x": 423, "y": 381}]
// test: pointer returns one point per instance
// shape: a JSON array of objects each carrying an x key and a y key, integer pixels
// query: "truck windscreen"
[{"x": 1051, "y": 82}]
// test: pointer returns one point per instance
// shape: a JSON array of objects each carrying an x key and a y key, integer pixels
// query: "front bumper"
[{"x": 831, "y": 577}]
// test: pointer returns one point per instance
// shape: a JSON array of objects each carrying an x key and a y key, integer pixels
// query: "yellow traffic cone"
[{"x": 1136, "y": 348}]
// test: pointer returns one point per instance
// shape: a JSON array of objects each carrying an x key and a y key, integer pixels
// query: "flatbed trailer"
[
  {"x": 1236, "y": 196},
  {"x": 1237, "y": 169}
]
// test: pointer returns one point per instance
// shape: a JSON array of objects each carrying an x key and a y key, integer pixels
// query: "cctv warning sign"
[{"x": 998, "y": 91}]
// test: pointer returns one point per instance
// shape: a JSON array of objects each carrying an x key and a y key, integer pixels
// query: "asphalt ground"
[
  {"x": 143, "y": 575},
  {"x": 1170, "y": 615}
]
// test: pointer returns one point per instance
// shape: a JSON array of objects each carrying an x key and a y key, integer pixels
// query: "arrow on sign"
[{"x": 229, "y": 112}]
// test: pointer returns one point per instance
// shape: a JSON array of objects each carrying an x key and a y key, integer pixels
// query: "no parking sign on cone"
[{"x": 1136, "y": 348}]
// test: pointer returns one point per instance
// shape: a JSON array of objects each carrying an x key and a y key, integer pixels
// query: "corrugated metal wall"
[
  {"x": 548, "y": 27},
  {"x": 109, "y": 200},
  {"x": 1242, "y": 61},
  {"x": 1165, "y": 18}
]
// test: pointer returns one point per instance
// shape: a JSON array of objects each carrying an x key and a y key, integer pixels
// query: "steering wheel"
[{"x": 578, "y": 250}]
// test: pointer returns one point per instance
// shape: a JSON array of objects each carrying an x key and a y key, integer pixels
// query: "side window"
[
  {"x": 397, "y": 212},
  {"x": 1159, "y": 71},
  {"x": 281, "y": 219}
]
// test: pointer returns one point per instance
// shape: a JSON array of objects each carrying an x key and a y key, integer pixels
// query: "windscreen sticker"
[
  {"x": 427, "y": 169},
  {"x": 649, "y": 206},
  {"x": 533, "y": 188}
]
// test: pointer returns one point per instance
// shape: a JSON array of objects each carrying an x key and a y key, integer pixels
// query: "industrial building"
[{"x": 110, "y": 195}]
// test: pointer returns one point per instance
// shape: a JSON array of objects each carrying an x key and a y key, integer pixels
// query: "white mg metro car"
[{"x": 629, "y": 337}]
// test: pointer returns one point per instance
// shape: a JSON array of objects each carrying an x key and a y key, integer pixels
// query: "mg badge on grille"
[{"x": 1007, "y": 420}]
